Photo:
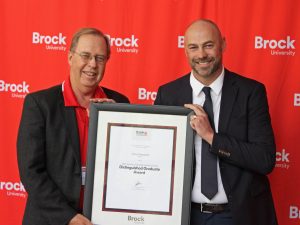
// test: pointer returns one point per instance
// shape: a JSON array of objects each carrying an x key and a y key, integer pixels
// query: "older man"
[{"x": 52, "y": 139}]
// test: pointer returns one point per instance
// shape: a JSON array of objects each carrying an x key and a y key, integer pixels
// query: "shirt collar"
[
  {"x": 216, "y": 86},
  {"x": 69, "y": 96}
]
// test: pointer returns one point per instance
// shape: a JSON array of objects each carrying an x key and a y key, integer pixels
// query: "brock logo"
[
  {"x": 59, "y": 39},
  {"x": 261, "y": 43}
]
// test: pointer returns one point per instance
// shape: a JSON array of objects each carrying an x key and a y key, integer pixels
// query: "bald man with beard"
[{"x": 239, "y": 135}]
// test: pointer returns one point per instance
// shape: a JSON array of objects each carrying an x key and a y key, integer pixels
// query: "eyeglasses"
[{"x": 86, "y": 57}]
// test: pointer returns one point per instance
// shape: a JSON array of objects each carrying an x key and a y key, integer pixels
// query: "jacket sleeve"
[
  {"x": 257, "y": 151},
  {"x": 44, "y": 194},
  {"x": 158, "y": 100}
]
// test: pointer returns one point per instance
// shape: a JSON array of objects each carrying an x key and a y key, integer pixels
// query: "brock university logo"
[
  {"x": 51, "y": 42},
  {"x": 282, "y": 159},
  {"x": 281, "y": 47},
  {"x": 125, "y": 45},
  {"x": 13, "y": 189},
  {"x": 17, "y": 90}
]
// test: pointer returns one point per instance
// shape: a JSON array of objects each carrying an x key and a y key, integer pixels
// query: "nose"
[
  {"x": 92, "y": 62},
  {"x": 201, "y": 53}
]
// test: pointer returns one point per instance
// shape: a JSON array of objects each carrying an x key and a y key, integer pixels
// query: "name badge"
[{"x": 83, "y": 173}]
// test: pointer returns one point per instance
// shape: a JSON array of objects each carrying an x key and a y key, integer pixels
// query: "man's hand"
[
  {"x": 79, "y": 219},
  {"x": 99, "y": 100},
  {"x": 200, "y": 123},
  {"x": 102, "y": 100}
]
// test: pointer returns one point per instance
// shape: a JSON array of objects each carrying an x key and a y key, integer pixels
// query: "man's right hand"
[
  {"x": 200, "y": 123},
  {"x": 79, "y": 219}
]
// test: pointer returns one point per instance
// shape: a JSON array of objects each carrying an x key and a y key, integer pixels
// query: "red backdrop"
[{"x": 262, "y": 43}]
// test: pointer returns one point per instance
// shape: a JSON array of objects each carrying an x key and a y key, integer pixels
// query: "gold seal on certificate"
[{"x": 139, "y": 165}]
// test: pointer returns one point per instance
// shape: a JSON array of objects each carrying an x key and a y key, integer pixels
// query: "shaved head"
[
  {"x": 198, "y": 24},
  {"x": 204, "y": 46}
]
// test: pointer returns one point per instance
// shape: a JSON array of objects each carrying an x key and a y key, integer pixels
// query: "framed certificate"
[{"x": 139, "y": 165}]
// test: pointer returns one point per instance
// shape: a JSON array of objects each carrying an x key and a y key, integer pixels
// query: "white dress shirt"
[{"x": 199, "y": 98}]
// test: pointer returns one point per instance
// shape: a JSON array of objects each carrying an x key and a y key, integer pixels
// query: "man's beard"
[{"x": 206, "y": 72}]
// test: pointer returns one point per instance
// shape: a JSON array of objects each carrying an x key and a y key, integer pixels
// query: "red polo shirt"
[{"x": 82, "y": 117}]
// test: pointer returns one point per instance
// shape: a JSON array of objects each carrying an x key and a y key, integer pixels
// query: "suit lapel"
[
  {"x": 186, "y": 91},
  {"x": 72, "y": 129},
  {"x": 229, "y": 93},
  {"x": 68, "y": 113}
]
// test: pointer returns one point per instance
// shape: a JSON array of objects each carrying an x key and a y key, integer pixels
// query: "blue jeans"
[{"x": 200, "y": 218}]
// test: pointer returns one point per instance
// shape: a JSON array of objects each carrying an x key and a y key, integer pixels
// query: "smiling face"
[
  {"x": 204, "y": 47},
  {"x": 85, "y": 71}
]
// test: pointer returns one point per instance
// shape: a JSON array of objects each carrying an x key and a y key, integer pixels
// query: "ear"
[
  {"x": 70, "y": 56},
  {"x": 186, "y": 54},
  {"x": 223, "y": 44}
]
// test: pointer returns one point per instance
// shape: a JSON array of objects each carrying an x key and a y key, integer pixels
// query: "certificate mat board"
[{"x": 139, "y": 165}]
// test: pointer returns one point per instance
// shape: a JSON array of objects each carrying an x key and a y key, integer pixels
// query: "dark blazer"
[
  {"x": 244, "y": 144},
  {"x": 49, "y": 157}
]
